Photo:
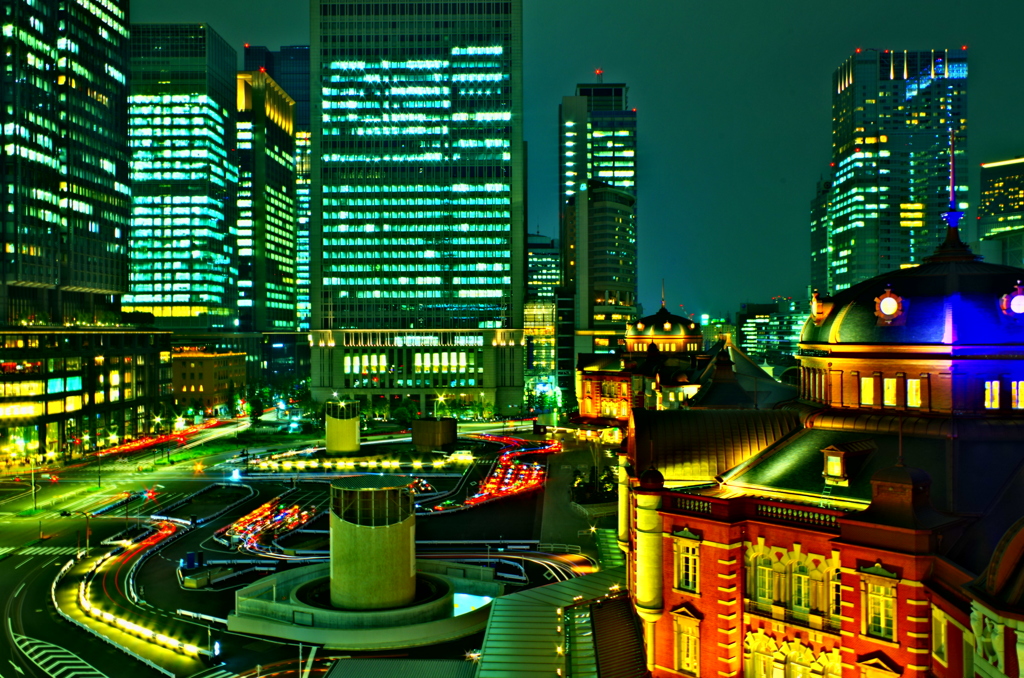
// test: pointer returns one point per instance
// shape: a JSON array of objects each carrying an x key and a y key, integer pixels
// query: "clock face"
[
  {"x": 888, "y": 306},
  {"x": 1017, "y": 303}
]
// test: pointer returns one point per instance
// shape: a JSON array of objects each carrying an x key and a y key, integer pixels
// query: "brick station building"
[{"x": 873, "y": 527}]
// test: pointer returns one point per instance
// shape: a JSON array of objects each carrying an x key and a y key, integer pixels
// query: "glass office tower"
[
  {"x": 74, "y": 377},
  {"x": 1001, "y": 211},
  {"x": 184, "y": 258},
  {"x": 544, "y": 275},
  {"x": 289, "y": 67},
  {"x": 419, "y": 239},
  {"x": 597, "y": 142},
  {"x": 266, "y": 205},
  {"x": 64, "y": 206},
  {"x": 892, "y": 116}
]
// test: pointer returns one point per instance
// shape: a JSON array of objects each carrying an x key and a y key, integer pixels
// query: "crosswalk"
[
  {"x": 215, "y": 672},
  {"x": 40, "y": 550},
  {"x": 55, "y": 661}
]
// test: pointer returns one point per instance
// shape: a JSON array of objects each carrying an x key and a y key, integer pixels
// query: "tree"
[{"x": 255, "y": 409}]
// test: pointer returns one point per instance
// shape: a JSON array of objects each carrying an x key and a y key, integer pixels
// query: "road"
[{"x": 28, "y": 564}]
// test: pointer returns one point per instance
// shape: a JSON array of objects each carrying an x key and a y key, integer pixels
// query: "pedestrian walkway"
[
  {"x": 48, "y": 551},
  {"x": 55, "y": 661},
  {"x": 215, "y": 672}
]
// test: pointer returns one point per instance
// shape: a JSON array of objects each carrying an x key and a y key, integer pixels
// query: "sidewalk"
[{"x": 560, "y": 524}]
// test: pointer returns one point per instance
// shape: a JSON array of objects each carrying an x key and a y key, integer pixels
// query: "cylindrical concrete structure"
[
  {"x": 623, "y": 532},
  {"x": 373, "y": 542},
  {"x": 342, "y": 427},
  {"x": 649, "y": 544}
]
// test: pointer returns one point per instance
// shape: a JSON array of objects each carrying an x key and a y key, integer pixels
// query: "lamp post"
[{"x": 87, "y": 533}]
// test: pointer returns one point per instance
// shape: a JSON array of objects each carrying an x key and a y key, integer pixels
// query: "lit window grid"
[
  {"x": 452, "y": 137},
  {"x": 181, "y": 251}
]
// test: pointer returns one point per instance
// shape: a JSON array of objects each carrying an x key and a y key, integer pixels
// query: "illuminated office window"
[
  {"x": 992, "y": 395},
  {"x": 913, "y": 393}
]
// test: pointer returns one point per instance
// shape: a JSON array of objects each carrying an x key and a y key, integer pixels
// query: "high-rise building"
[
  {"x": 184, "y": 254},
  {"x": 544, "y": 274},
  {"x": 1001, "y": 211},
  {"x": 597, "y": 222},
  {"x": 75, "y": 378},
  {"x": 893, "y": 114},
  {"x": 819, "y": 236},
  {"x": 266, "y": 205},
  {"x": 65, "y": 203},
  {"x": 289, "y": 67},
  {"x": 417, "y": 236},
  {"x": 597, "y": 138}
]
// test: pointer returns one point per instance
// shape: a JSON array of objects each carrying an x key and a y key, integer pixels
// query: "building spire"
[
  {"x": 663, "y": 293},
  {"x": 952, "y": 249}
]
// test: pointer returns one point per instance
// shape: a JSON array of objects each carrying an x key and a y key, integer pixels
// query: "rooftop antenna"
[
  {"x": 952, "y": 249},
  {"x": 600, "y": 74}
]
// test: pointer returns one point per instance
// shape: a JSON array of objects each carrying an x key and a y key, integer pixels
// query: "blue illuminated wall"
[{"x": 184, "y": 258}]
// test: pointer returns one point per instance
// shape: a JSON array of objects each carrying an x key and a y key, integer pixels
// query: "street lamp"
[
  {"x": 440, "y": 399},
  {"x": 87, "y": 533}
]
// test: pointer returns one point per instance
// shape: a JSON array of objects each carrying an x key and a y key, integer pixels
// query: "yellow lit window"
[
  {"x": 688, "y": 649},
  {"x": 913, "y": 393},
  {"x": 1017, "y": 394},
  {"x": 889, "y": 392},
  {"x": 834, "y": 466},
  {"x": 992, "y": 395},
  {"x": 867, "y": 390}
]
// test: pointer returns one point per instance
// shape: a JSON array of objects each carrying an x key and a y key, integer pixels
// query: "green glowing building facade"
[
  {"x": 266, "y": 205},
  {"x": 418, "y": 245},
  {"x": 893, "y": 112},
  {"x": 184, "y": 256},
  {"x": 65, "y": 202},
  {"x": 1001, "y": 212}
]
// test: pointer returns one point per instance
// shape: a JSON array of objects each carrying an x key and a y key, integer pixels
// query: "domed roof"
[
  {"x": 952, "y": 298},
  {"x": 663, "y": 324}
]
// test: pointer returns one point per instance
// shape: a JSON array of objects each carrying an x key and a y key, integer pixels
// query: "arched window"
[{"x": 800, "y": 589}]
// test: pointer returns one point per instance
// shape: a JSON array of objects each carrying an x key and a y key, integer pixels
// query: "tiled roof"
[
  {"x": 694, "y": 445},
  {"x": 522, "y": 636}
]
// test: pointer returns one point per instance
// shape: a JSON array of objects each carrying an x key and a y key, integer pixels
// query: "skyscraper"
[
  {"x": 289, "y": 67},
  {"x": 183, "y": 105},
  {"x": 65, "y": 209},
  {"x": 819, "y": 236},
  {"x": 418, "y": 235},
  {"x": 1001, "y": 211},
  {"x": 597, "y": 222},
  {"x": 597, "y": 138},
  {"x": 892, "y": 116},
  {"x": 266, "y": 205},
  {"x": 74, "y": 377},
  {"x": 544, "y": 275}
]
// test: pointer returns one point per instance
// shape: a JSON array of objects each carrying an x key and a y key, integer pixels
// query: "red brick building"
[
  {"x": 880, "y": 535},
  {"x": 665, "y": 367}
]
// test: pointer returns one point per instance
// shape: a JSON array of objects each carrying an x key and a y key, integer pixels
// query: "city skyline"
[{"x": 705, "y": 135}]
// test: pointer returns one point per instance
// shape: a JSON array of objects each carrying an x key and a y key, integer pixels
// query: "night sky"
[{"x": 734, "y": 113}]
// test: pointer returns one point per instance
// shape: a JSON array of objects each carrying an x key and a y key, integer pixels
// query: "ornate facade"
[{"x": 883, "y": 533}]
